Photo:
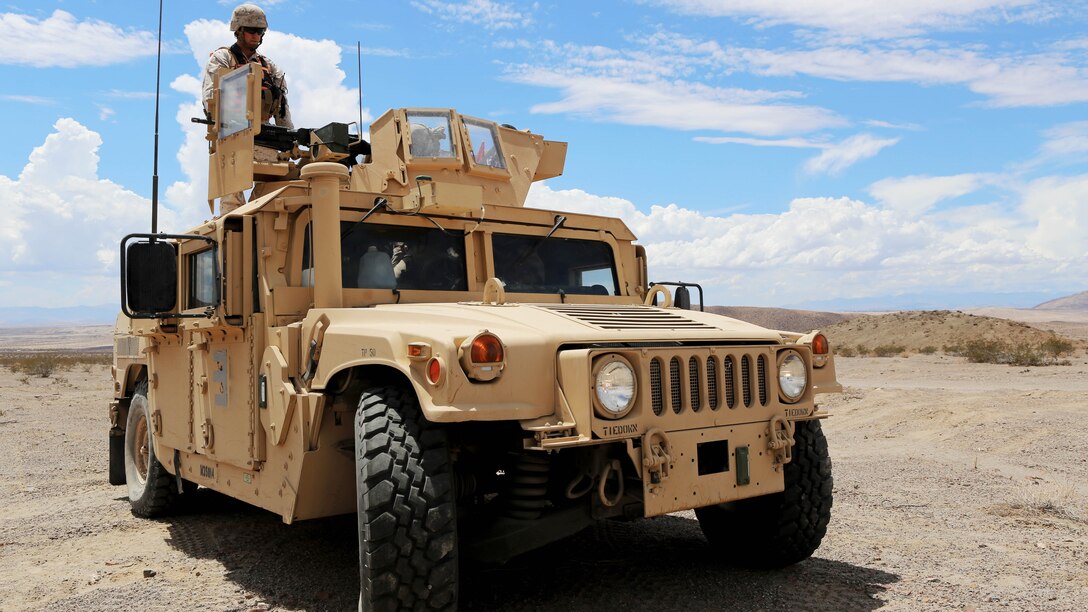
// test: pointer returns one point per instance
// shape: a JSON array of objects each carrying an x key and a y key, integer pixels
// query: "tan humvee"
[{"x": 400, "y": 338}]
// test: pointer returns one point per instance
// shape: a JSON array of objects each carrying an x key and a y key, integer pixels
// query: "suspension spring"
[{"x": 527, "y": 495}]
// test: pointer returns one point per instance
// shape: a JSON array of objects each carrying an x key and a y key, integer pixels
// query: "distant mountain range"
[
  {"x": 76, "y": 315},
  {"x": 106, "y": 314},
  {"x": 1077, "y": 301},
  {"x": 939, "y": 301}
]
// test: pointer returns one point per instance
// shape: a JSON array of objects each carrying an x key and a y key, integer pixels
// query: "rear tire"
[
  {"x": 406, "y": 506},
  {"x": 774, "y": 531},
  {"x": 152, "y": 491}
]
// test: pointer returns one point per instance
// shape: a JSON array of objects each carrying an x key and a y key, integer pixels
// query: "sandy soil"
[{"x": 956, "y": 488}]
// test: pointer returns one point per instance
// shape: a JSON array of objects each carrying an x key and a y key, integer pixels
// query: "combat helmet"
[{"x": 247, "y": 16}]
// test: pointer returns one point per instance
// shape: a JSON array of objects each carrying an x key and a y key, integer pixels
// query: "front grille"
[{"x": 712, "y": 380}]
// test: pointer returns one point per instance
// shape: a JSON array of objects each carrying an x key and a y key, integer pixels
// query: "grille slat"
[
  {"x": 694, "y": 385},
  {"x": 730, "y": 367},
  {"x": 657, "y": 401},
  {"x": 761, "y": 377},
  {"x": 746, "y": 379},
  {"x": 712, "y": 383},
  {"x": 677, "y": 400}
]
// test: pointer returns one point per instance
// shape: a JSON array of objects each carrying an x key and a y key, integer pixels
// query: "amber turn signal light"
[
  {"x": 486, "y": 348},
  {"x": 820, "y": 345}
]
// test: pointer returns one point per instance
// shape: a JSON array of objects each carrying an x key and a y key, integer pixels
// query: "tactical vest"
[{"x": 272, "y": 91}]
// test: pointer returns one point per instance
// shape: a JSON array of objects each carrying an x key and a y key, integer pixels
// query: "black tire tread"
[
  {"x": 778, "y": 530},
  {"x": 160, "y": 495},
  {"x": 407, "y": 516}
]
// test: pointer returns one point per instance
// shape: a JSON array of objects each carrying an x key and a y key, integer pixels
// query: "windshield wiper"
[
  {"x": 378, "y": 203},
  {"x": 559, "y": 221}
]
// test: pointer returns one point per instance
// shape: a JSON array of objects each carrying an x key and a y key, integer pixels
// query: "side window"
[
  {"x": 484, "y": 141},
  {"x": 430, "y": 133},
  {"x": 201, "y": 283},
  {"x": 402, "y": 257}
]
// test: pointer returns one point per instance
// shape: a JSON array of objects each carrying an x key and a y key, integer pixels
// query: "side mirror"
[
  {"x": 681, "y": 298},
  {"x": 149, "y": 276}
]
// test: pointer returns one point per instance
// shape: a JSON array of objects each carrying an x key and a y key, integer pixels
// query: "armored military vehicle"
[{"x": 384, "y": 329}]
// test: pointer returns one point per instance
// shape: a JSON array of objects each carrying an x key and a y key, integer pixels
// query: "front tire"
[
  {"x": 152, "y": 491},
  {"x": 774, "y": 531},
  {"x": 406, "y": 506}
]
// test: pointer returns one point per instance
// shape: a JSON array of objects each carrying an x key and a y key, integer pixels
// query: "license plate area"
[{"x": 704, "y": 469}]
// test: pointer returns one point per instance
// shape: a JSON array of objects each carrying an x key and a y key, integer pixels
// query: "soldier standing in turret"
[{"x": 248, "y": 22}]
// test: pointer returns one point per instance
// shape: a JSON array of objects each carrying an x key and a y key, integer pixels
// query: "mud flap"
[{"x": 117, "y": 456}]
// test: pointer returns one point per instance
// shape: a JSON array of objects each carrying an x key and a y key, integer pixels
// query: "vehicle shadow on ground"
[{"x": 664, "y": 563}]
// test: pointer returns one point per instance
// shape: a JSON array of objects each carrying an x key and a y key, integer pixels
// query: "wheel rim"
[{"x": 143, "y": 452}]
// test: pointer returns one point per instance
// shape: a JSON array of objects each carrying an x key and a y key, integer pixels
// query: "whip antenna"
[
  {"x": 155, "y": 170},
  {"x": 359, "y": 58}
]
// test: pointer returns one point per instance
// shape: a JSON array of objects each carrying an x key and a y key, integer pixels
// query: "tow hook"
[
  {"x": 656, "y": 458},
  {"x": 780, "y": 440}
]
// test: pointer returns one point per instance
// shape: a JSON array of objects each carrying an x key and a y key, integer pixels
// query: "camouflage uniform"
[
  {"x": 273, "y": 84},
  {"x": 231, "y": 57}
]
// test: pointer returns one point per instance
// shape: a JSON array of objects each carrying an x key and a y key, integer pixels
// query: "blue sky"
[{"x": 808, "y": 153}]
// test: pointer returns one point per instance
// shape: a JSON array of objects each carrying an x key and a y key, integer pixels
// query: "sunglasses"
[{"x": 257, "y": 31}]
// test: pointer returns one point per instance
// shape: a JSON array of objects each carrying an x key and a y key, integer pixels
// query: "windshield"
[
  {"x": 399, "y": 257},
  {"x": 533, "y": 264}
]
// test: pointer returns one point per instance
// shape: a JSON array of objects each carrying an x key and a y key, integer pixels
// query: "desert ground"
[{"x": 957, "y": 486}]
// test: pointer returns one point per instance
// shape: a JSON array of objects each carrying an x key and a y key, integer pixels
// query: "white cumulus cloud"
[
  {"x": 847, "y": 248},
  {"x": 1059, "y": 208},
  {"x": 61, "y": 40},
  {"x": 65, "y": 223}
]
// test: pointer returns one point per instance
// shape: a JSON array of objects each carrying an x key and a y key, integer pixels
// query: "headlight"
[
  {"x": 614, "y": 383},
  {"x": 792, "y": 376}
]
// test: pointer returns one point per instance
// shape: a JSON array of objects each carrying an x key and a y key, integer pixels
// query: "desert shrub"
[
  {"x": 46, "y": 364},
  {"x": 1024, "y": 355},
  {"x": 862, "y": 350},
  {"x": 889, "y": 350},
  {"x": 999, "y": 351},
  {"x": 952, "y": 349},
  {"x": 1054, "y": 500},
  {"x": 1055, "y": 347},
  {"x": 24, "y": 379},
  {"x": 41, "y": 366},
  {"x": 985, "y": 351},
  {"x": 846, "y": 351},
  {"x": 928, "y": 350}
]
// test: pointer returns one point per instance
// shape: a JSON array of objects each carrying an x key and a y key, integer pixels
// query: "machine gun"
[
  {"x": 329, "y": 143},
  {"x": 280, "y": 138}
]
